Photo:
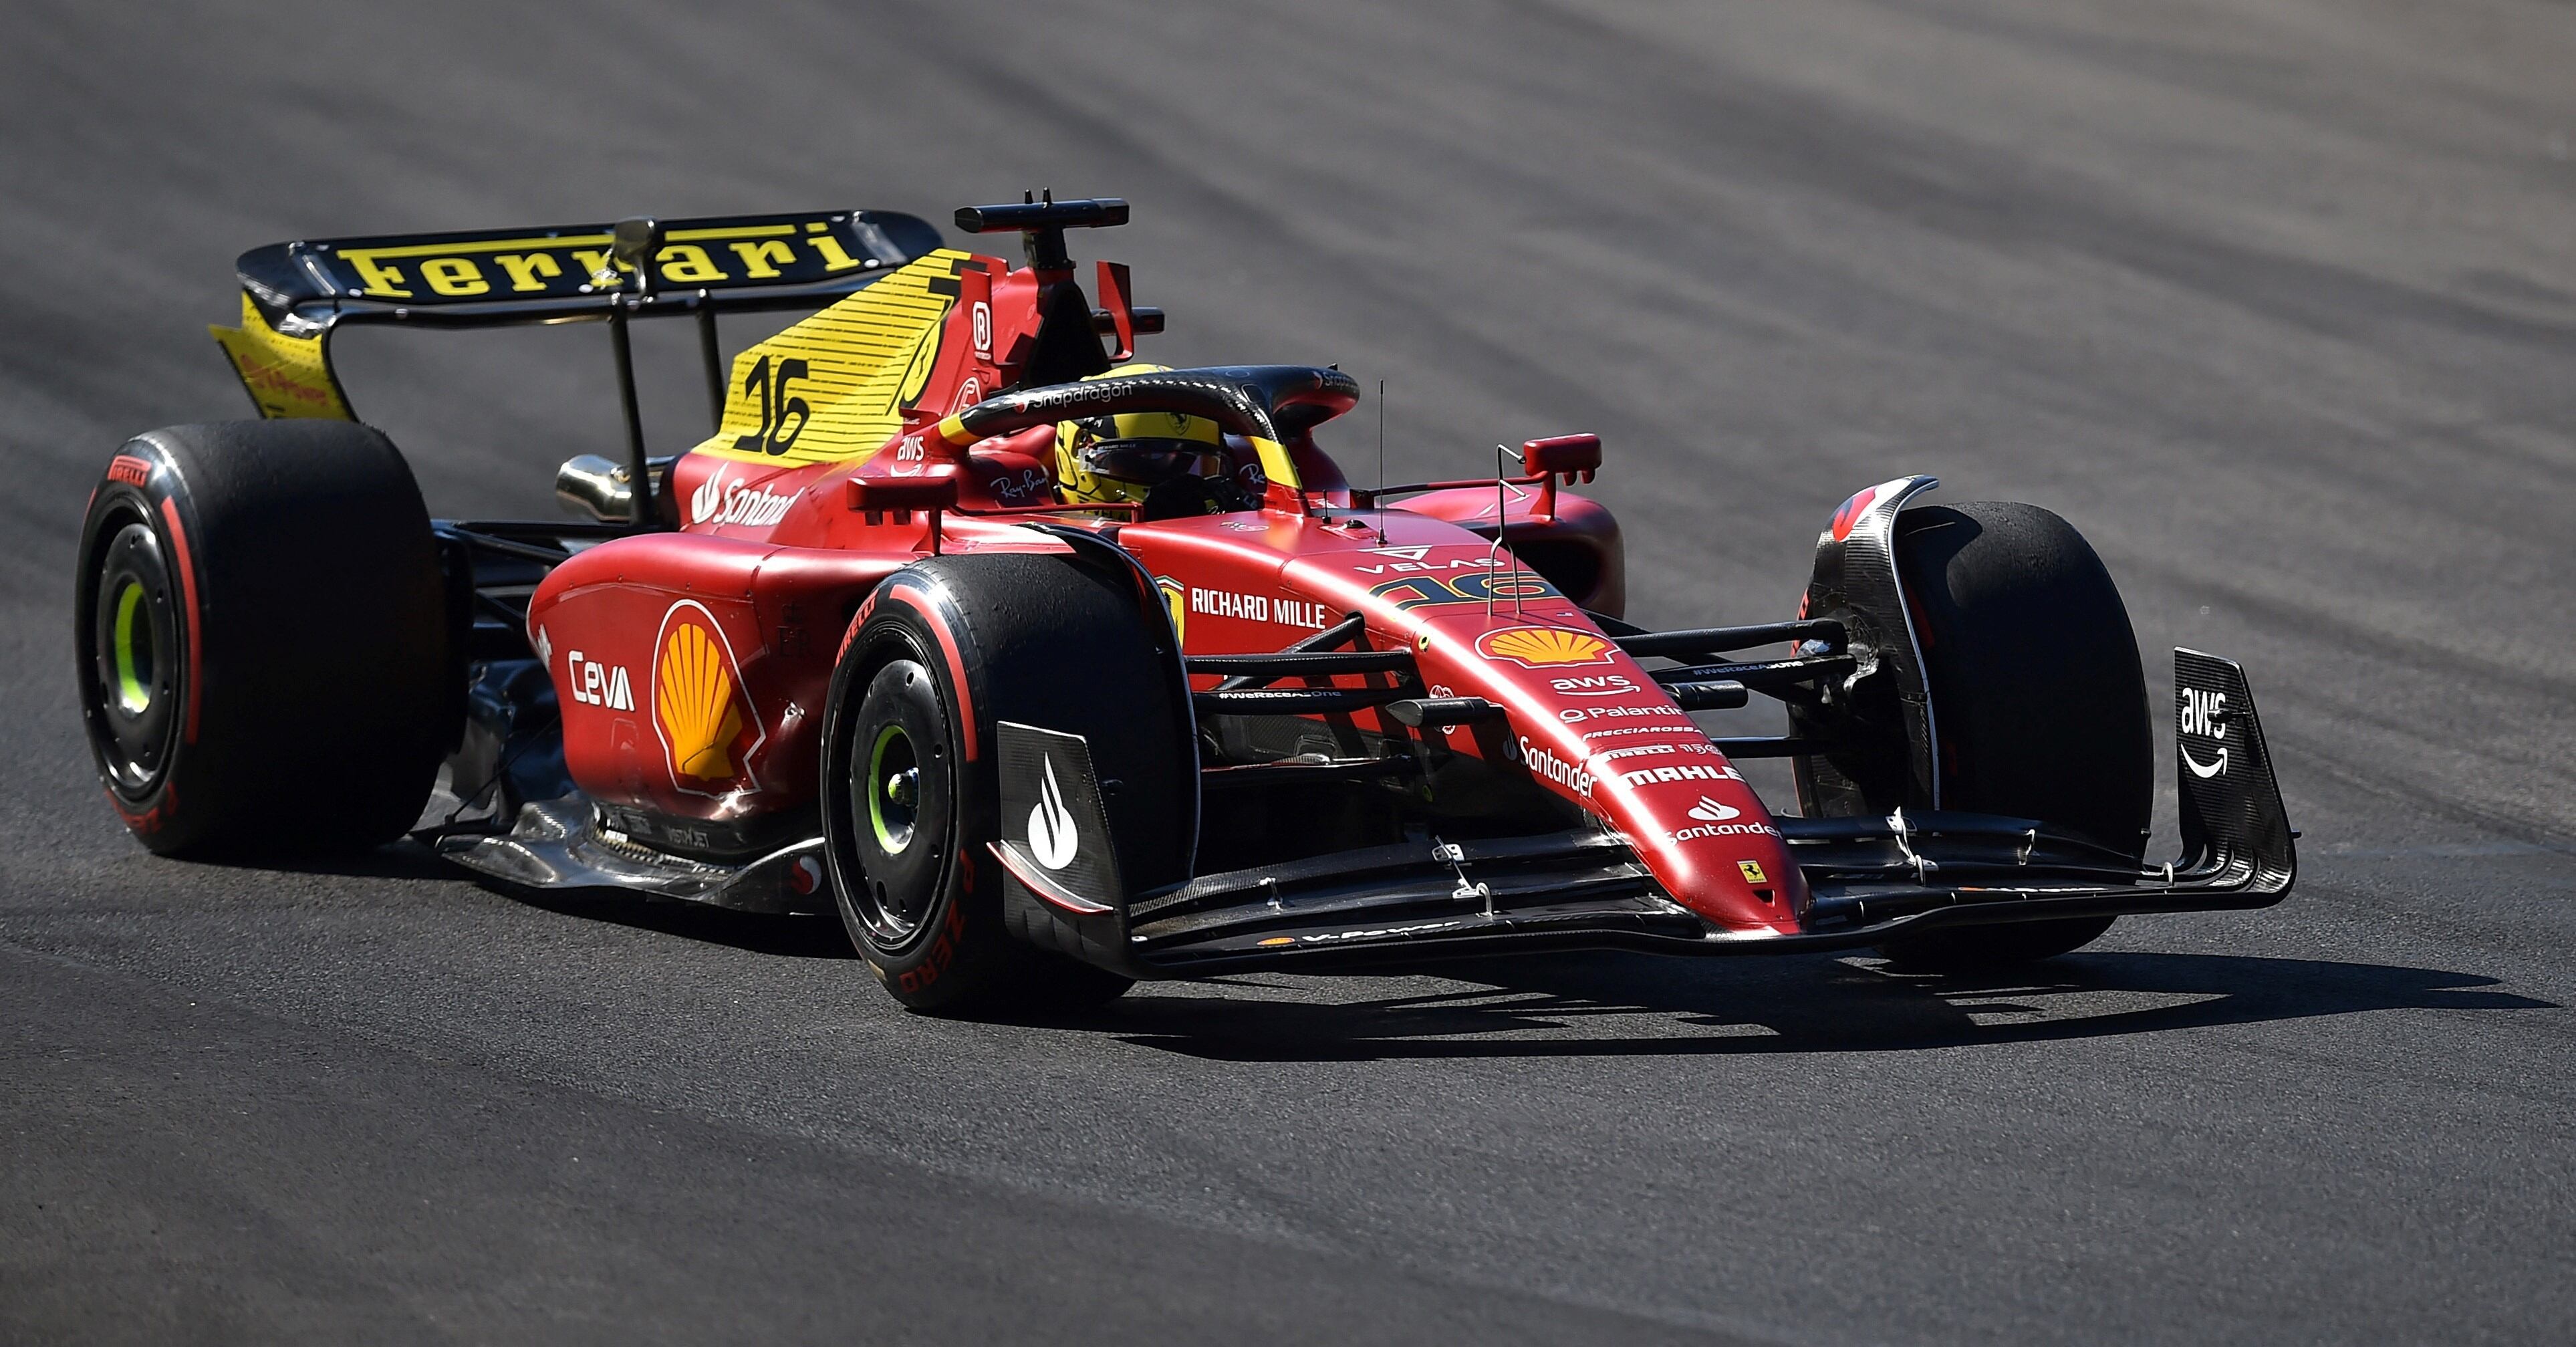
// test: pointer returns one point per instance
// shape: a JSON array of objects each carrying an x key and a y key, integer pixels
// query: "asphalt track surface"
[{"x": 2276, "y": 300}]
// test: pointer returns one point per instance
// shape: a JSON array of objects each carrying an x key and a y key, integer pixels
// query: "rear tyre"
[
  {"x": 260, "y": 624},
  {"x": 2040, "y": 702},
  {"x": 911, "y": 792}
]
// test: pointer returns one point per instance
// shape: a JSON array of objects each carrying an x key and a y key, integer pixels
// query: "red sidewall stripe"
[
  {"x": 196, "y": 621},
  {"x": 956, "y": 666}
]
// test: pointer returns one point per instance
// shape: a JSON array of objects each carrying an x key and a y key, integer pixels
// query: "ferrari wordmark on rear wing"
[{"x": 294, "y": 295}]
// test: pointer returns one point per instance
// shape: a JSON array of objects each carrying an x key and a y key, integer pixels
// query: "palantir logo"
[
  {"x": 1053, "y": 839},
  {"x": 1710, "y": 811}
]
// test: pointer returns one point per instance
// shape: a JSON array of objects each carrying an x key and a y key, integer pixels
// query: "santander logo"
[
  {"x": 717, "y": 501},
  {"x": 1710, "y": 811}
]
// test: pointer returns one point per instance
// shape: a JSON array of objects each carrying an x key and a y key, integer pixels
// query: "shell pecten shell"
[
  {"x": 1542, "y": 647},
  {"x": 696, "y": 704}
]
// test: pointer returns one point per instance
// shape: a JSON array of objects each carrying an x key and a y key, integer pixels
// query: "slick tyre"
[
  {"x": 261, "y": 629},
  {"x": 2040, "y": 702},
  {"x": 911, "y": 795}
]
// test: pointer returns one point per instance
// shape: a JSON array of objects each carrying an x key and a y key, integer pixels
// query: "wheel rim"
[
  {"x": 894, "y": 789},
  {"x": 896, "y": 808},
  {"x": 134, "y": 651},
  {"x": 134, "y": 666}
]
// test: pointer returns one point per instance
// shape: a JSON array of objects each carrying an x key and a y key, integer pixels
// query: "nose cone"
[
  {"x": 1705, "y": 835},
  {"x": 1591, "y": 724},
  {"x": 1585, "y": 720}
]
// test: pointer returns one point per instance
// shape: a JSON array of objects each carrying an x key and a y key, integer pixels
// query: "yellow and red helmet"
[{"x": 1100, "y": 459}]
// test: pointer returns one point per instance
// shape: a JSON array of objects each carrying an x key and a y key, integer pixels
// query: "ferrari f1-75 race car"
[{"x": 1048, "y": 671}]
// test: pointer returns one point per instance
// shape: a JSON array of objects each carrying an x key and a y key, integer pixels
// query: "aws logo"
[{"x": 708, "y": 727}]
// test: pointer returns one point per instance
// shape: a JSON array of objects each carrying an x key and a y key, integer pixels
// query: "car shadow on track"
[
  {"x": 797, "y": 937},
  {"x": 1629, "y": 1005},
  {"x": 810, "y": 937}
]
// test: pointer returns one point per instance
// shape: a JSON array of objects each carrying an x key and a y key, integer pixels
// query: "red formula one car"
[{"x": 1049, "y": 672}]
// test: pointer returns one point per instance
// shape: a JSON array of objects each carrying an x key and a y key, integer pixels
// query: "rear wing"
[{"x": 294, "y": 295}]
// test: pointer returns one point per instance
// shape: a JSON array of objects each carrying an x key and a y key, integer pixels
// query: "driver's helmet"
[{"x": 1120, "y": 458}]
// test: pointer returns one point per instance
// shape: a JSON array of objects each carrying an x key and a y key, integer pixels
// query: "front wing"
[{"x": 1870, "y": 879}]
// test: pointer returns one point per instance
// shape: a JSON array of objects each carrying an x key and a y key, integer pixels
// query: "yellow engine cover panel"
[{"x": 835, "y": 386}]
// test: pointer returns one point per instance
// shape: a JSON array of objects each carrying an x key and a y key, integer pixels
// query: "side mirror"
[
  {"x": 1562, "y": 456},
  {"x": 932, "y": 491},
  {"x": 635, "y": 242},
  {"x": 929, "y": 491}
]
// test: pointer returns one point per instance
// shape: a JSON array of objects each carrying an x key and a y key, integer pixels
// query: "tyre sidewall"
[
  {"x": 946, "y": 958},
  {"x": 2039, "y": 699},
  {"x": 320, "y": 675},
  {"x": 149, "y": 809}
]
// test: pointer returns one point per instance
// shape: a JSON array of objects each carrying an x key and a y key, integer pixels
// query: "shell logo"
[
  {"x": 1543, "y": 647},
  {"x": 708, "y": 727}
]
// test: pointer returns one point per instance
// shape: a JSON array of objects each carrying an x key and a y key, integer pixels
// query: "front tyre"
[
  {"x": 261, "y": 633},
  {"x": 947, "y": 649},
  {"x": 2040, "y": 702}
]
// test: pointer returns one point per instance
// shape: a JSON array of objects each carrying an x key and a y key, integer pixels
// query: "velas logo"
[
  {"x": 1543, "y": 647},
  {"x": 1053, "y": 838},
  {"x": 708, "y": 727}
]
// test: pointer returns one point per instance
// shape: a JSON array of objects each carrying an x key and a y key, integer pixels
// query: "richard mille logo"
[{"x": 1052, "y": 837}]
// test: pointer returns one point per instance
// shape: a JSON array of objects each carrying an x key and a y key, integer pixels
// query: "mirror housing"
[
  {"x": 932, "y": 492},
  {"x": 1568, "y": 456},
  {"x": 929, "y": 491}
]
